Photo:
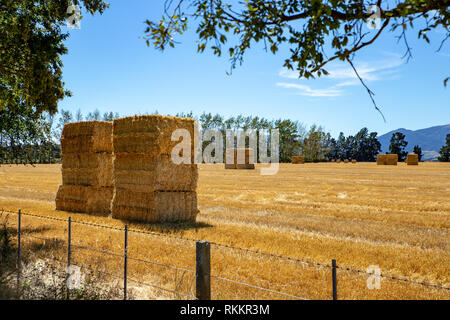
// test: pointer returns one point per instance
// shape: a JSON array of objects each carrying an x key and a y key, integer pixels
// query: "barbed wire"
[
  {"x": 230, "y": 247},
  {"x": 257, "y": 287}
]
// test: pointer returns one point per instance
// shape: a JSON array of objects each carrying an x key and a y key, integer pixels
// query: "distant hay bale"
[
  {"x": 243, "y": 158},
  {"x": 381, "y": 159},
  {"x": 391, "y": 159},
  {"x": 412, "y": 159},
  {"x": 298, "y": 159},
  {"x": 346, "y": 161},
  {"x": 338, "y": 161},
  {"x": 148, "y": 186},
  {"x": 353, "y": 161}
]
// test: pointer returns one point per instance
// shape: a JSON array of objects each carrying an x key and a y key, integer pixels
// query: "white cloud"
[
  {"x": 305, "y": 90},
  {"x": 345, "y": 76}
]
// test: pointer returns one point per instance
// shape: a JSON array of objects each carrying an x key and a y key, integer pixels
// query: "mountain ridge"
[{"x": 430, "y": 139}]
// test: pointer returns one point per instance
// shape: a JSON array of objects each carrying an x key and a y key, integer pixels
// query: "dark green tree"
[
  {"x": 418, "y": 150},
  {"x": 444, "y": 153},
  {"x": 398, "y": 145},
  {"x": 31, "y": 46}
]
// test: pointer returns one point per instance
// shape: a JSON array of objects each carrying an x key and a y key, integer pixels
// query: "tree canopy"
[
  {"x": 316, "y": 31},
  {"x": 31, "y": 45}
]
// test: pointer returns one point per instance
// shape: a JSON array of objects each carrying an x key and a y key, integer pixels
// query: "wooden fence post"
[
  {"x": 203, "y": 270},
  {"x": 333, "y": 272}
]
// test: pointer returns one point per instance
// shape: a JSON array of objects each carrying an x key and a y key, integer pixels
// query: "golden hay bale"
[
  {"x": 86, "y": 144},
  {"x": 353, "y": 161},
  {"x": 151, "y": 135},
  {"x": 346, "y": 161},
  {"x": 84, "y": 199},
  {"x": 87, "y": 169},
  {"x": 242, "y": 158},
  {"x": 87, "y": 128},
  {"x": 412, "y": 159},
  {"x": 298, "y": 159},
  {"x": 159, "y": 206},
  {"x": 381, "y": 159},
  {"x": 391, "y": 159},
  {"x": 149, "y": 174},
  {"x": 338, "y": 161}
]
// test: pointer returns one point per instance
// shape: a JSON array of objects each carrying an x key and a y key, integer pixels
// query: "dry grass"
[{"x": 396, "y": 217}]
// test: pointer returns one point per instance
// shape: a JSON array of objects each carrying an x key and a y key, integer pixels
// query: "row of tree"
[{"x": 25, "y": 138}]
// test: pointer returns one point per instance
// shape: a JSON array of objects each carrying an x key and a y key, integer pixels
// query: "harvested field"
[{"x": 394, "y": 217}]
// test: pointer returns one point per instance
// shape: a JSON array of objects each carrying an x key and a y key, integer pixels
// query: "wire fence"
[{"x": 202, "y": 272}]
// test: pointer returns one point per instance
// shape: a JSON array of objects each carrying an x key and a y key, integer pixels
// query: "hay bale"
[
  {"x": 144, "y": 173},
  {"x": 412, "y": 159},
  {"x": 84, "y": 199},
  {"x": 298, "y": 159},
  {"x": 87, "y": 169},
  {"x": 338, "y": 161},
  {"x": 381, "y": 159},
  {"x": 151, "y": 135},
  {"x": 243, "y": 158},
  {"x": 158, "y": 206},
  {"x": 346, "y": 161},
  {"x": 391, "y": 159},
  {"x": 87, "y": 137},
  {"x": 353, "y": 161}
]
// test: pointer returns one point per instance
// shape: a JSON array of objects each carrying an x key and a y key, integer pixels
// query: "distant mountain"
[{"x": 429, "y": 139}]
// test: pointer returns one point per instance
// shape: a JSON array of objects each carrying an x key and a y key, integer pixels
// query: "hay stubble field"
[{"x": 394, "y": 217}]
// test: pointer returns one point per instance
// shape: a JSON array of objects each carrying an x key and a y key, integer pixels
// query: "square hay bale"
[
  {"x": 141, "y": 172},
  {"x": 298, "y": 159},
  {"x": 353, "y": 161},
  {"x": 412, "y": 159},
  {"x": 151, "y": 134},
  {"x": 87, "y": 169},
  {"x": 381, "y": 159},
  {"x": 87, "y": 128},
  {"x": 242, "y": 158},
  {"x": 346, "y": 161},
  {"x": 84, "y": 199},
  {"x": 391, "y": 159},
  {"x": 87, "y": 137},
  {"x": 158, "y": 206}
]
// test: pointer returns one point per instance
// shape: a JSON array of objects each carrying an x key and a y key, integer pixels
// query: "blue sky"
[{"x": 109, "y": 67}]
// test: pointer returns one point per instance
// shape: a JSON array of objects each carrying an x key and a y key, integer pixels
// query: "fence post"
[
  {"x": 333, "y": 272},
  {"x": 125, "y": 262},
  {"x": 19, "y": 231},
  {"x": 203, "y": 270},
  {"x": 69, "y": 253}
]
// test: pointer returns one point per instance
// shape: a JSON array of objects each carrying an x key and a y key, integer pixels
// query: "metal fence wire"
[{"x": 203, "y": 268}]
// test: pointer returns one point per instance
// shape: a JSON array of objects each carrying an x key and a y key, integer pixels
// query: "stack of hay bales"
[
  {"x": 412, "y": 159},
  {"x": 148, "y": 186},
  {"x": 387, "y": 159},
  {"x": 243, "y": 158},
  {"x": 86, "y": 168},
  {"x": 298, "y": 159}
]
